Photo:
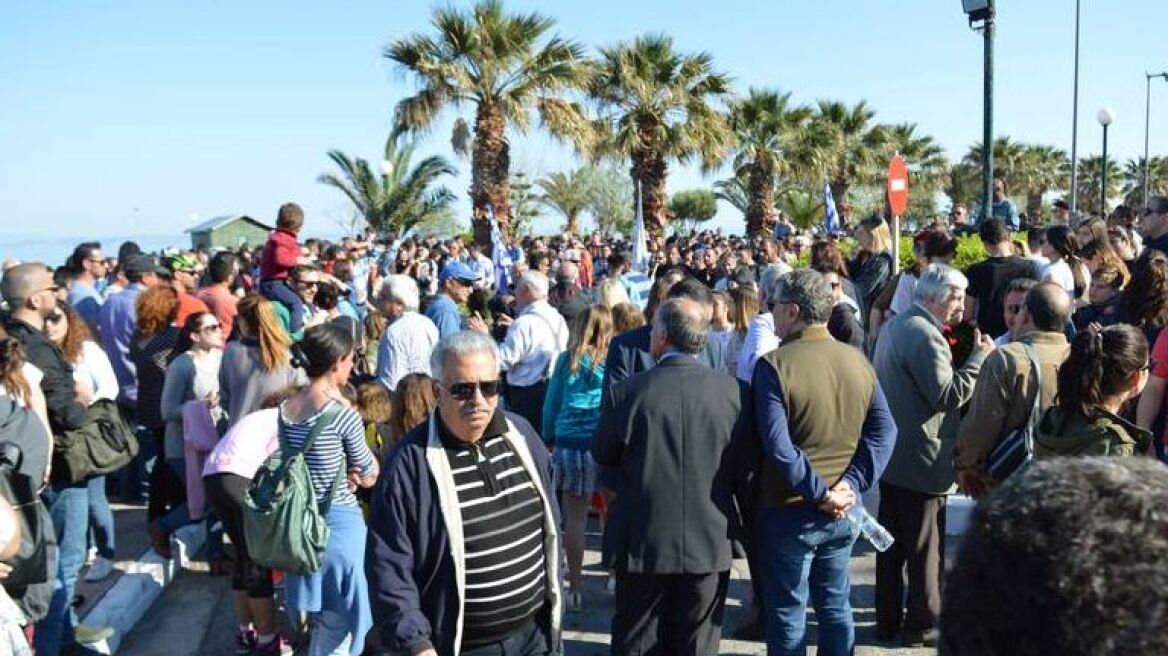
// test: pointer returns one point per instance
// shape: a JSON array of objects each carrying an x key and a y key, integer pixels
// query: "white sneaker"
[
  {"x": 90, "y": 555},
  {"x": 101, "y": 568}
]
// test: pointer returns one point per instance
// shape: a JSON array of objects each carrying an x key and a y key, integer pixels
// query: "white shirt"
[
  {"x": 405, "y": 348},
  {"x": 535, "y": 339},
  {"x": 93, "y": 368},
  {"x": 1060, "y": 273},
  {"x": 902, "y": 299},
  {"x": 760, "y": 340}
]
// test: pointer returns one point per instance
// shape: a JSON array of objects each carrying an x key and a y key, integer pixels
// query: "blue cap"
[{"x": 456, "y": 269}]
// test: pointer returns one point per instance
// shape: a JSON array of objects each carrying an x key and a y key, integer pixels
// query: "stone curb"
[{"x": 141, "y": 583}]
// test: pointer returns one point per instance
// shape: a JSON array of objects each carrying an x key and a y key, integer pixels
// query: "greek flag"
[
  {"x": 831, "y": 221},
  {"x": 499, "y": 254},
  {"x": 640, "y": 250}
]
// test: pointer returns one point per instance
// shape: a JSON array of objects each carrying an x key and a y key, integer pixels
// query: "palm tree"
[
  {"x": 1091, "y": 182},
  {"x": 857, "y": 145},
  {"x": 1009, "y": 164},
  {"x": 773, "y": 142},
  {"x": 401, "y": 196},
  {"x": 1043, "y": 169},
  {"x": 926, "y": 160},
  {"x": 658, "y": 105},
  {"x": 1133, "y": 180},
  {"x": 502, "y": 65},
  {"x": 569, "y": 194},
  {"x": 803, "y": 208}
]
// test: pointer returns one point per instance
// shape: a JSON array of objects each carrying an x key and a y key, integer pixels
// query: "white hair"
[
  {"x": 771, "y": 282},
  {"x": 937, "y": 283},
  {"x": 536, "y": 283},
  {"x": 459, "y": 345},
  {"x": 398, "y": 288}
]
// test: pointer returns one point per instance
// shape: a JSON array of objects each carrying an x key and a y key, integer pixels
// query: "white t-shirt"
[
  {"x": 94, "y": 369},
  {"x": 1060, "y": 274},
  {"x": 33, "y": 375}
]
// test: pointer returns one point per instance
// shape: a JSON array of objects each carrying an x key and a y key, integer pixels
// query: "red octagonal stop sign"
[{"x": 898, "y": 185}]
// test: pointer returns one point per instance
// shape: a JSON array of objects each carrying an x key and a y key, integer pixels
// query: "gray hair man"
[
  {"x": 1006, "y": 389},
  {"x": 925, "y": 392},
  {"x": 826, "y": 434},
  {"x": 463, "y": 549},
  {"x": 760, "y": 334},
  {"x": 535, "y": 338},
  {"x": 409, "y": 338},
  {"x": 670, "y": 530}
]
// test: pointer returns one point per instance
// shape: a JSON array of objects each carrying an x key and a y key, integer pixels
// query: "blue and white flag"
[
  {"x": 831, "y": 221},
  {"x": 500, "y": 257},
  {"x": 640, "y": 249}
]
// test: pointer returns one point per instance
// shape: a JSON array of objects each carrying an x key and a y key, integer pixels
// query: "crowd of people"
[{"x": 730, "y": 396}]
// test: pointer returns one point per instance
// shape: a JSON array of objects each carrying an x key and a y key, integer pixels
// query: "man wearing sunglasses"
[
  {"x": 1154, "y": 224},
  {"x": 671, "y": 433},
  {"x": 463, "y": 548}
]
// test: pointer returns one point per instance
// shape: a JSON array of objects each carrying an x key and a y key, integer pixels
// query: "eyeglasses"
[
  {"x": 308, "y": 284},
  {"x": 213, "y": 328},
  {"x": 466, "y": 391}
]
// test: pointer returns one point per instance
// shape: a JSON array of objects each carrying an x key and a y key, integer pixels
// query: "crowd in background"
[{"x": 216, "y": 359}]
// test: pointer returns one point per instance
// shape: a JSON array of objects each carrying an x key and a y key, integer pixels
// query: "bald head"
[
  {"x": 680, "y": 324},
  {"x": 23, "y": 281},
  {"x": 568, "y": 272},
  {"x": 30, "y": 292},
  {"x": 1048, "y": 308}
]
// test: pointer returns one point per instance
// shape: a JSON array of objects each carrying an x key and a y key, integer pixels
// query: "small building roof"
[{"x": 220, "y": 221}]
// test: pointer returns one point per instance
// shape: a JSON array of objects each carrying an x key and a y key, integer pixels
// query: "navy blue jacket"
[{"x": 408, "y": 559}]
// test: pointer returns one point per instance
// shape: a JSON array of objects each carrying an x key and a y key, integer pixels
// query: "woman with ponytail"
[
  {"x": 1105, "y": 369},
  {"x": 259, "y": 364},
  {"x": 336, "y": 596},
  {"x": 1066, "y": 267}
]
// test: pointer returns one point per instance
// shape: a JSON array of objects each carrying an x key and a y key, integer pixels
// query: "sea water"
[{"x": 54, "y": 250}]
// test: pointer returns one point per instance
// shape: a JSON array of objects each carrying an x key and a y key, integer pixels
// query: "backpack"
[
  {"x": 283, "y": 525},
  {"x": 1016, "y": 447}
]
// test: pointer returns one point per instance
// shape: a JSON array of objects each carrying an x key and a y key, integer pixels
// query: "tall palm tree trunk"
[
  {"x": 839, "y": 193},
  {"x": 651, "y": 171},
  {"x": 490, "y": 168},
  {"x": 760, "y": 207}
]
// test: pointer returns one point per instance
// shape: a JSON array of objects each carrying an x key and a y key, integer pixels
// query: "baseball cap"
[
  {"x": 141, "y": 265},
  {"x": 181, "y": 262},
  {"x": 458, "y": 270}
]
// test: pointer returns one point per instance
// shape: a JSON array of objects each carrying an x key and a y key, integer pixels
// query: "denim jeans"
[
  {"x": 806, "y": 552},
  {"x": 134, "y": 478},
  {"x": 330, "y": 634},
  {"x": 69, "y": 508},
  {"x": 101, "y": 518}
]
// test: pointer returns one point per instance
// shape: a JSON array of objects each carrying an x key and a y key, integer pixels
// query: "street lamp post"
[
  {"x": 1106, "y": 117},
  {"x": 1075, "y": 123},
  {"x": 983, "y": 10},
  {"x": 1148, "y": 124}
]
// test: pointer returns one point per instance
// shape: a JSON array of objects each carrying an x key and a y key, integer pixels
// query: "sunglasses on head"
[{"x": 466, "y": 391}]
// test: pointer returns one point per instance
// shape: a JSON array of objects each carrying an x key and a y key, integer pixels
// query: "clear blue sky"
[{"x": 130, "y": 117}]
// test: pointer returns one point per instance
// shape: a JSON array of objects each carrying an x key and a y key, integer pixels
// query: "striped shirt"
[
  {"x": 340, "y": 444},
  {"x": 503, "y": 533},
  {"x": 638, "y": 286}
]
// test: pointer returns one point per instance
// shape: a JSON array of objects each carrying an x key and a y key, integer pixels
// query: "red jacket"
[{"x": 280, "y": 255}]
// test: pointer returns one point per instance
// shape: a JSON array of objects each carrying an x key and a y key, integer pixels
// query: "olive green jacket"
[{"x": 1071, "y": 434}]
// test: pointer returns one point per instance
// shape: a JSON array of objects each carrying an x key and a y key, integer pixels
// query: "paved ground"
[{"x": 195, "y": 617}]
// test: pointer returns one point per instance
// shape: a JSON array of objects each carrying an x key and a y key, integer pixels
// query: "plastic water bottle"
[{"x": 871, "y": 529}]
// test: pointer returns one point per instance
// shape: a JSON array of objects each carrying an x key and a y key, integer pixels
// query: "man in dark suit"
[{"x": 671, "y": 434}]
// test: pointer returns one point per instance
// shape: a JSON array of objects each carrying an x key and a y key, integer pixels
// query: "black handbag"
[
  {"x": 34, "y": 566},
  {"x": 1016, "y": 447}
]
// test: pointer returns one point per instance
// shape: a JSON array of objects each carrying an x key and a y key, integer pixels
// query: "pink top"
[
  {"x": 246, "y": 445},
  {"x": 1159, "y": 358}
]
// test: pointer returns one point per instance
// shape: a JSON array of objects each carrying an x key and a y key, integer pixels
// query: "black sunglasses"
[
  {"x": 55, "y": 318},
  {"x": 466, "y": 391}
]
